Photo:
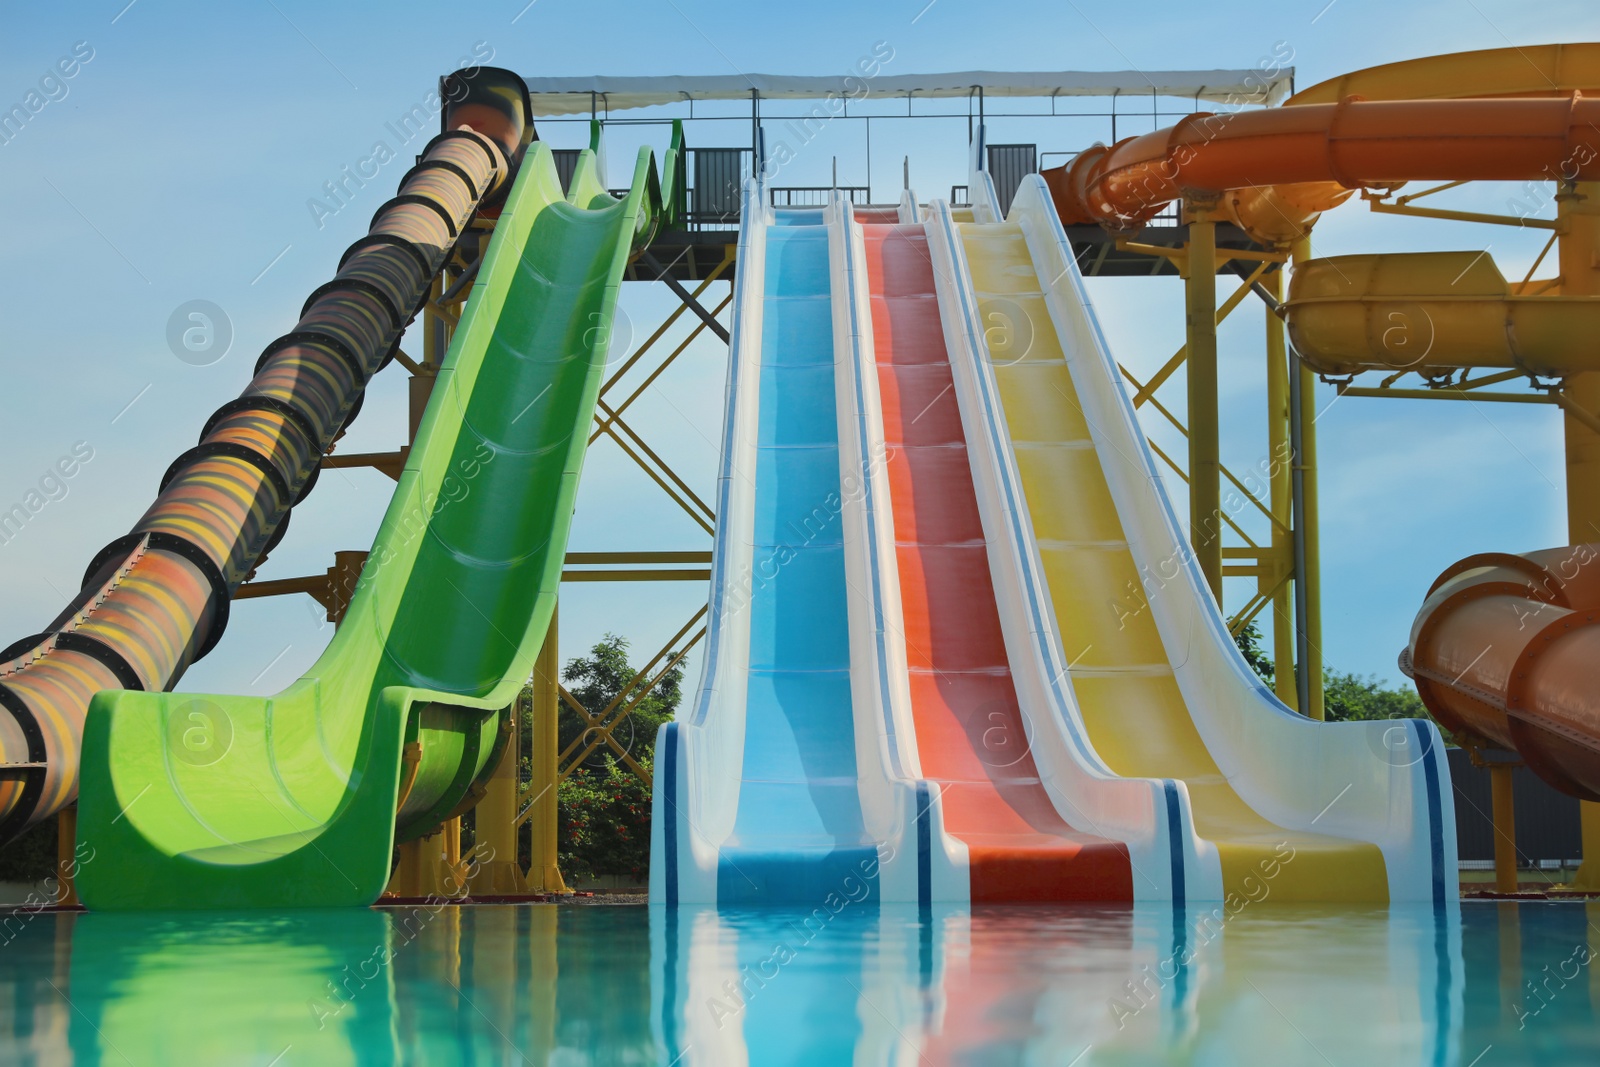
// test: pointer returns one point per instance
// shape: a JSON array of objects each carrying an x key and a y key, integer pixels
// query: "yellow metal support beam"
[
  {"x": 1205, "y": 462},
  {"x": 431, "y": 866},
  {"x": 1491, "y": 379},
  {"x": 606, "y": 730},
  {"x": 389, "y": 463},
  {"x": 1220, "y": 256},
  {"x": 676, "y": 313},
  {"x": 1181, "y": 428},
  {"x": 598, "y": 728},
  {"x": 1280, "y": 496},
  {"x": 408, "y": 363},
  {"x": 1578, "y": 412},
  {"x": 1311, "y": 580},
  {"x": 1170, "y": 367},
  {"x": 1449, "y": 393},
  {"x": 637, "y": 576},
  {"x": 496, "y": 869},
  {"x": 544, "y": 872},
  {"x": 1265, "y": 594},
  {"x": 676, "y": 569},
  {"x": 614, "y": 423},
  {"x": 433, "y": 329},
  {"x": 1184, "y": 477},
  {"x": 653, "y": 375},
  {"x": 1384, "y": 207},
  {"x": 700, "y": 519},
  {"x": 601, "y": 559},
  {"x": 592, "y": 724}
]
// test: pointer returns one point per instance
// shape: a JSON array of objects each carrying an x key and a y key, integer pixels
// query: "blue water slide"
[
  {"x": 757, "y": 799},
  {"x": 799, "y": 830}
]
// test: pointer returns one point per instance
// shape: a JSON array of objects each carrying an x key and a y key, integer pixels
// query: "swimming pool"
[{"x": 1481, "y": 985}]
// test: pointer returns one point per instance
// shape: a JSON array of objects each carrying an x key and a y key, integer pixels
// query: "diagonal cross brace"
[{"x": 687, "y": 297}]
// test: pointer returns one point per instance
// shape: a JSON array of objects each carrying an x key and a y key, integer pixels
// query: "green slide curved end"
[{"x": 192, "y": 801}]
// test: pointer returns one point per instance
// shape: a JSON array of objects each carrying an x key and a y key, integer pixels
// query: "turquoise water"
[{"x": 566, "y": 985}]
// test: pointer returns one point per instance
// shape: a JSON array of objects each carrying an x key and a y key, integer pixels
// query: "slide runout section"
[
  {"x": 971, "y": 737},
  {"x": 1159, "y": 686},
  {"x": 1122, "y": 675},
  {"x": 798, "y": 834},
  {"x": 295, "y": 799}
]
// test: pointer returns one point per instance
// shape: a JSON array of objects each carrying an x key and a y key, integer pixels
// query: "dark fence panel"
[
  {"x": 1547, "y": 821},
  {"x": 718, "y": 178},
  {"x": 1008, "y": 165},
  {"x": 566, "y": 160}
]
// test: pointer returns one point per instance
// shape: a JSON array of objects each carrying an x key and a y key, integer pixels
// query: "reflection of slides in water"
[
  {"x": 1110, "y": 984},
  {"x": 411, "y": 985},
  {"x": 954, "y": 984}
]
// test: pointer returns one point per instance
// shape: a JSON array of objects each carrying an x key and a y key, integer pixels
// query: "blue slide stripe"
[
  {"x": 1430, "y": 770},
  {"x": 1175, "y": 840},
  {"x": 669, "y": 816},
  {"x": 924, "y": 846}
]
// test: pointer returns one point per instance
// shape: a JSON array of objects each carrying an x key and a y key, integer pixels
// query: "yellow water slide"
[{"x": 1106, "y": 593}]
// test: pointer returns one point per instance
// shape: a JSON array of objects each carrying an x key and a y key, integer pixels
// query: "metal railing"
[
  {"x": 815, "y": 195},
  {"x": 1170, "y": 215}
]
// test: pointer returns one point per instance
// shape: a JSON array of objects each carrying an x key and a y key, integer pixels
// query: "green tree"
[
  {"x": 1249, "y": 641},
  {"x": 1345, "y": 697},
  {"x": 603, "y": 808},
  {"x": 1350, "y": 696},
  {"x": 596, "y": 679}
]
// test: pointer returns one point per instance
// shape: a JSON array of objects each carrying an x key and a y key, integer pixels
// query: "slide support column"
[
  {"x": 1205, "y": 463},
  {"x": 544, "y": 876},
  {"x": 1281, "y": 496},
  {"x": 1307, "y": 540},
  {"x": 1578, "y": 211},
  {"x": 497, "y": 872}
]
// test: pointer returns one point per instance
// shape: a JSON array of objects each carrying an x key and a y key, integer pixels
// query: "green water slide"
[{"x": 191, "y": 801}]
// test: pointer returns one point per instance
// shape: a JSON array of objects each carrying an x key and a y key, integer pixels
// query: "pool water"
[{"x": 1481, "y": 985}]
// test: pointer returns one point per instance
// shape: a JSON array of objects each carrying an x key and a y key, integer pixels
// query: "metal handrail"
[{"x": 815, "y": 195}]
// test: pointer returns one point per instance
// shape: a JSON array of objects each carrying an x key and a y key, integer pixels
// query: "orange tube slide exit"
[{"x": 1505, "y": 649}]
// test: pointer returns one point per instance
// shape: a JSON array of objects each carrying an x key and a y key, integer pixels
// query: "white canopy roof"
[{"x": 575, "y": 96}]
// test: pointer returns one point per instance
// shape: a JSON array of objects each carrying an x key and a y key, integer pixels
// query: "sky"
[{"x": 180, "y": 160}]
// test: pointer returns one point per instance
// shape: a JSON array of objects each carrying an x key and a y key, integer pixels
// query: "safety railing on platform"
[
  {"x": 815, "y": 195},
  {"x": 715, "y": 177},
  {"x": 1171, "y": 215}
]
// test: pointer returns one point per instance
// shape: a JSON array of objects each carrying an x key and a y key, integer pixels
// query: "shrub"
[{"x": 604, "y": 823}]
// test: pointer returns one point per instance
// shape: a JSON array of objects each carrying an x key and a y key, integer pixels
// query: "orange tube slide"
[
  {"x": 1286, "y": 165},
  {"x": 1504, "y": 651}
]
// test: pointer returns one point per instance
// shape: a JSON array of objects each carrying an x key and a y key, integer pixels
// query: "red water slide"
[{"x": 970, "y": 729}]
